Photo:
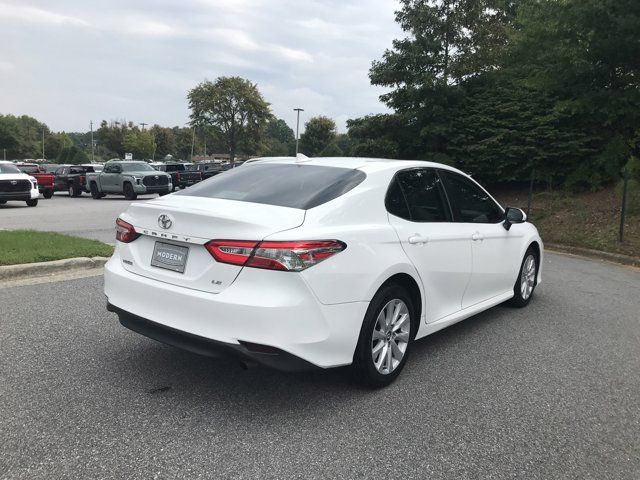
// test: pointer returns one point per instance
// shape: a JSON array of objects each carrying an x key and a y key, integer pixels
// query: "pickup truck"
[
  {"x": 15, "y": 185},
  {"x": 71, "y": 178},
  {"x": 206, "y": 169},
  {"x": 181, "y": 176},
  {"x": 128, "y": 178},
  {"x": 45, "y": 180}
]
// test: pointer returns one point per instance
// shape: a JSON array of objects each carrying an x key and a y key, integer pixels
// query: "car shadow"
[{"x": 155, "y": 369}]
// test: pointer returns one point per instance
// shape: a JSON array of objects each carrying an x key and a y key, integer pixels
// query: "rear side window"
[
  {"x": 421, "y": 190},
  {"x": 470, "y": 204},
  {"x": 284, "y": 185},
  {"x": 174, "y": 168}
]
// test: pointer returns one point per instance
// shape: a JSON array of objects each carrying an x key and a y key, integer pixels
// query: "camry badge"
[{"x": 164, "y": 221}]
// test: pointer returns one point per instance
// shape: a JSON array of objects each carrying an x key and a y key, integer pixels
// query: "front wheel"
[
  {"x": 526, "y": 281},
  {"x": 385, "y": 338},
  {"x": 129, "y": 194},
  {"x": 95, "y": 194},
  {"x": 73, "y": 191},
  {"x": 32, "y": 202}
]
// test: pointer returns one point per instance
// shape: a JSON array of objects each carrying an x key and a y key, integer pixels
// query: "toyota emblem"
[
  {"x": 164, "y": 221},
  {"x": 14, "y": 182}
]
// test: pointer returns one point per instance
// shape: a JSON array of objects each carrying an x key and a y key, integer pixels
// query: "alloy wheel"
[
  {"x": 528, "y": 277},
  {"x": 390, "y": 336}
]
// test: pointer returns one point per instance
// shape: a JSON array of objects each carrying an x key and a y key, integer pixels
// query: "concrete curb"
[
  {"x": 587, "y": 252},
  {"x": 41, "y": 269}
]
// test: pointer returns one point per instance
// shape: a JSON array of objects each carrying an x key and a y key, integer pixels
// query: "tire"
[
  {"x": 47, "y": 194},
  {"x": 73, "y": 191},
  {"x": 129, "y": 194},
  {"x": 370, "y": 367},
  {"x": 32, "y": 203},
  {"x": 2, "y": 202},
  {"x": 526, "y": 281},
  {"x": 95, "y": 194}
]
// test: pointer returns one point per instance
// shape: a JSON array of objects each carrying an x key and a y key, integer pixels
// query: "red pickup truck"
[{"x": 45, "y": 180}]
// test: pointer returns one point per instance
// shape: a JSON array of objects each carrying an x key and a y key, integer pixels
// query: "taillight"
[
  {"x": 178, "y": 176},
  {"x": 287, "y": 256},
  {"x": 81, "y": 180},
  {"x": 125, "y": 232}
]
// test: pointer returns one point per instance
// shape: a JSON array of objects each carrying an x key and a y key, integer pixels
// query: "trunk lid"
[{"x": 193, "y": 222}]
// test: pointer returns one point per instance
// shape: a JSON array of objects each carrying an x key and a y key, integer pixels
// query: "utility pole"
[
  {"x": 143, "y": 125},
  {"x": 4, "y": 154},
  {"x": 297, "y": 127},
  {"x": 92, "y": 144},
  {"x": 43, "y": 144}
]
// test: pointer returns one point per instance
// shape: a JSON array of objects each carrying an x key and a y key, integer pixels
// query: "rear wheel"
[
  {"x": 129, "y": 194},
  {"x": 526, "y": 282},
  {"x": 385, "y": 338},
  {"x": 2, "y": 202},
  {"x": 95, "y": 194},
  {"x": 73, "y": 191},
  {"x": 47, "y": 194},
  {"x": 32, "y": 203}
]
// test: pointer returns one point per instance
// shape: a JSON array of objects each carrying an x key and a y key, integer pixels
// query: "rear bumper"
[
  {"x": 277, "y": 359},
  {"x": 276, "y": 311}
]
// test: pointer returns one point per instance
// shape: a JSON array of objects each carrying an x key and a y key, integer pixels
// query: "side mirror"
[{"x": 513, "y": 215}]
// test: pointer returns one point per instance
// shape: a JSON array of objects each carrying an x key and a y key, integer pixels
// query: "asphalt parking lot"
[
  {"x": 546, "y": 392},
  {"x": 81, "y": 216}
]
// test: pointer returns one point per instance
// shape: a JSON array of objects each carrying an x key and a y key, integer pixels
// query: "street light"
[{"x": 298, "y": 110}]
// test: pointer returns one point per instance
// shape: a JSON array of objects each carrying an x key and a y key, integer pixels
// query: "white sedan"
[{"x": 324, "y": 262}]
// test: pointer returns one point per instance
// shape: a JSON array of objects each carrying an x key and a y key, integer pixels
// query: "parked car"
[
  {"x": 72, "y": 179},
  {"x": 321, "y": 263},
  {"x": 180, "y": 175},
  {"x": 45, "y": 180},
  {"x": 207, "y": 170},
  {"x": 128, "y": 178},
  {"x": 15, "y": 185}
]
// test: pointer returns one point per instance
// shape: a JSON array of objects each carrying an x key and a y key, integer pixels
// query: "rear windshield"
[
  {"x": 174, "y": 167},
  {"x": 29, "y": 168},
  {"x": 284, "y": 185},
  {"x": 80, "y": 169}
]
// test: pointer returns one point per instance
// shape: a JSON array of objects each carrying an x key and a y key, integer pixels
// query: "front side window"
[
  {"x": 470, "y": 204},
  {"x": 420, "y": 189}
]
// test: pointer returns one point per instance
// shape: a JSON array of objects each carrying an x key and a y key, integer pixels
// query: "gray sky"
[{"x": 67, "y": 62}]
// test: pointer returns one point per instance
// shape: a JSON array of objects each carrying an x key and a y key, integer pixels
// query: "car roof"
[{"x": 361, "y": 163}]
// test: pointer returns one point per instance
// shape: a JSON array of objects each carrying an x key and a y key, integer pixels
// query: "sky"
[{"x": 68, "y": 62}]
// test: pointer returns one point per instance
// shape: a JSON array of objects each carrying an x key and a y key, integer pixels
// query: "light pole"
[
  {"x": 143, "y": 125},
  {"x": 92, "y": 145},
  {"x": 43, "y": 144},
  {"x": 298, "y": 110}
]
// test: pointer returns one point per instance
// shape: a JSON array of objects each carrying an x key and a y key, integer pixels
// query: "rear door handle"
[
  {"x": 476, "y": 236},
  {"x": 418, "y": 240}
]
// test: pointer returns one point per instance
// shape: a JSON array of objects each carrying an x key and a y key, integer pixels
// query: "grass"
[
  {"x": 28, "y": 246},
  {"x": 587, "y": 220}
]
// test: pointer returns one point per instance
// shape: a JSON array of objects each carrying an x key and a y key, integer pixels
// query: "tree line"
[{"x": 499, "y": 88}]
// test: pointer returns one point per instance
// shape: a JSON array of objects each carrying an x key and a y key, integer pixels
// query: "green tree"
[
  {"x": 139, "y": 143},
  {"x": 234, "y": 108},
  {"x": 280, "y": 139},
  {"x": 319, "y": 132},
  {"x": 164, "y": 139}
]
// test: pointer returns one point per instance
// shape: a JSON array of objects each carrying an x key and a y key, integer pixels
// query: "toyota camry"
[{"x": 298, "y": 263}]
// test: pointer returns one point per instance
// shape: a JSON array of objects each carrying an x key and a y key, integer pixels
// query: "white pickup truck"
[{"x": 15, "y": 185}]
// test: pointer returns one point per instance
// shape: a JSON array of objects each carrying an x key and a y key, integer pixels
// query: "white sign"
[{"x": 128, "y": 156}]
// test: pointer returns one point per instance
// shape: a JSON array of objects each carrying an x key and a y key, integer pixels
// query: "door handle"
[
  {"x": 476, "y": 236},
  {"x": 418, "y": 240}
]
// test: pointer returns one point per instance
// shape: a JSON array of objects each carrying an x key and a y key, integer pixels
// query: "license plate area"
[{"x": 169, "y": 256}]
